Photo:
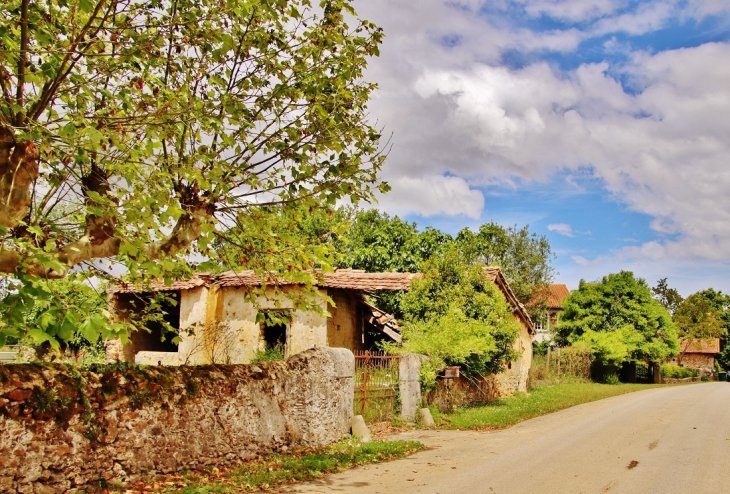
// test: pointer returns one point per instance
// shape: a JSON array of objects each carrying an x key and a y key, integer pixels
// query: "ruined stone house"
[{"x": 217, "y": 323}]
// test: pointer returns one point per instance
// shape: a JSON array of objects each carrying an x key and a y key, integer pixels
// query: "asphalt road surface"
[{"x": 662, "y": 440}]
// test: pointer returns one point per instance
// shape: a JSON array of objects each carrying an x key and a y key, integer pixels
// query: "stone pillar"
[
  {"x": 410, "y": 386},
  {"x": 344, "y": 371},
  {"x": 657, "y": 373}
]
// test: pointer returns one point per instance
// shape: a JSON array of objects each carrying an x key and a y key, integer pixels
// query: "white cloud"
[
  {"x": 562, "y": 228},
  {"x": 433, "y": 195},
  {"x": 571, "y": 10},
  {"x": 461, "y": 120}
]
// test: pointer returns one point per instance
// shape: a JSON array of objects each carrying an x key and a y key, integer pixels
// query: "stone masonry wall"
[{"x": 65, "y": 429}]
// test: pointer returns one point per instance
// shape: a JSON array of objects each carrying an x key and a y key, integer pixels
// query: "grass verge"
[
  {"x": 523, "y": 406},
  {"x": 281, "y": 468}
]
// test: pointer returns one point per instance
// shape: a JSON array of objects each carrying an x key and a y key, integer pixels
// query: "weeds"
[{"x": 282, "y": 468}]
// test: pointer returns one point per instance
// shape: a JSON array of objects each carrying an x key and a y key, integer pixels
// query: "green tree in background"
[
  {"x": 668, "y": 297},
  {"x": 456, "y": 315},
  {"x": 377, "y": 242},
  {"x": 160, "y": 127},
  {"x": 524, "y": 258},
  {"x": 705, "y": 315},
  {"x": 697, "y": 317},
  {"x": 621, "y": 321}
]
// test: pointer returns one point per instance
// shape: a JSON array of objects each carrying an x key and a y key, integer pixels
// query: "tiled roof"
[
  {"x": 557, "y": 293},
  {"x": 352, "y": 279},
  {"x": 552, "y": 295},
  {"x": 497, "y": 276},
  {"x": 196, "y": 281},
  {"x": 700, "y": 346}
]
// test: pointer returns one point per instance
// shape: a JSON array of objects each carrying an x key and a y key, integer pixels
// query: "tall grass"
[
  {"x": 523, "y": 406},
  {"x": 562, "y": 365}
]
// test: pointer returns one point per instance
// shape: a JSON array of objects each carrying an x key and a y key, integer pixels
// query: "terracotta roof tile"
[
  {"x": 196, "y": 281},
  {"x": 353, "y": 279},
  {"x": 700, "y": 346},
  {"x": 358, "y": 279}
]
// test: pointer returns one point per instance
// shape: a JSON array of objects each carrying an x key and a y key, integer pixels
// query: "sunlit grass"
[{"x": 539, "y": 401}]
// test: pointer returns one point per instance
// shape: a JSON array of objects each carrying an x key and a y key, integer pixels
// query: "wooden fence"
[{"x": 376, "y": 385}]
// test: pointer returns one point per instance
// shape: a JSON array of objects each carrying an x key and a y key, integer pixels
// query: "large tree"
[
  {"x": 619, "y": 318},
  {"x": 456, "y": 315},
  {"x": 668, "y": 297},
  {"x": 524, "y": 258},
  {"x": 139, "y": 132}
]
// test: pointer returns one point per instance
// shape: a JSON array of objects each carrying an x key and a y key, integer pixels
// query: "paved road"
[{"x": 664, "y": 440}]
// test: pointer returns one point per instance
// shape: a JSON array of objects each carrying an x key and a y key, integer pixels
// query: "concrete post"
[
  {"x": 344, "y": 367},
  {"x": 410, "y": 386}
]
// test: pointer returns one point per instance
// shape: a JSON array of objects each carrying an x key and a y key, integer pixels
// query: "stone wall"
[{"x": 64, "y": 429}]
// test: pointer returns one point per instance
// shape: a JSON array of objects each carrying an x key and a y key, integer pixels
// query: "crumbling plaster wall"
[
  {"x": 515, "y": 377},
  {"x": 229, "y": 321},
  {"x": 342, "y": 325},
  {"x": 65, "y": 429}
]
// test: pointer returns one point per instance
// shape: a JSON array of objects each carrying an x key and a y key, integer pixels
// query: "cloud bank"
[{"x": 480, "y": 93}]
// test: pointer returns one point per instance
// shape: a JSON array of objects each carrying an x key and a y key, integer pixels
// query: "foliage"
[
  {"x": 697, "y": 318},
  {"x": 427, "y": 377},
  {"x": 456, "y": 316},
  {"x": 677, "y": 372},
  {"x": 540, "y": 348},
  {"x": 377, "y": 242},
  {"x": 567, "y": 364},
  {"x": 134, "y": 134},
  {"x": 668, "y": 297},
  {"x": 275, "y": 352},
  {"x": 65, "y": 310},
  {"x": 619, "y": 319},
  {"x": 270, "y": 471},
  {"x": 524, "y": 258},
  {"x": 540, "y": 400}
]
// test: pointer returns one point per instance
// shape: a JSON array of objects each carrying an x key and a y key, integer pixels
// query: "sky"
[{"x": 602, "y": 124}]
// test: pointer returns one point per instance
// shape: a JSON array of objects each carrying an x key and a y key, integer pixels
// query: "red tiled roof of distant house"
[{"x": 700, "y": 346}]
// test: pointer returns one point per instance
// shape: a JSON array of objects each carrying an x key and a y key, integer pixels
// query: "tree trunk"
[{"x": 18, "y": 171}]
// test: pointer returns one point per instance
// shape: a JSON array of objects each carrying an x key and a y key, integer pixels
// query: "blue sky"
[{"x": 600, "y": 123}]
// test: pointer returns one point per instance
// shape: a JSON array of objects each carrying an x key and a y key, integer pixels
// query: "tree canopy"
[
  {"x": 140, "y": 132},
  {"x": 700, "y": 317},
  {"x": 668, "y": 297},
  {"x": 524, "y": 258},
  {"x": 619, "y": 318},
  {"x": 456, "y": 315}
]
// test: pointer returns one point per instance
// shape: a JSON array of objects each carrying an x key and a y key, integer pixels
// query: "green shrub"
[
  {"x": 611, "y": 378},
  {"x": 276, "y": 352},
  {"x": 540, "y": 348},
  {"x": 677, "y": 372}
]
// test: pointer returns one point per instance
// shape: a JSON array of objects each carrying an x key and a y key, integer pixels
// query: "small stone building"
[
  {"x": 697, "y": 354},
  {"x": 217, "y": 322}
]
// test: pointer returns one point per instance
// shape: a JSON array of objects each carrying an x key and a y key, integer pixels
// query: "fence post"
[{"x": 409, "y": 370}]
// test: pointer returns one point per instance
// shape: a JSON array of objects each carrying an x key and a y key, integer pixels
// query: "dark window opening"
[
  {"x": 275, "y": 329},
  {"x": 154, "y": 337}
]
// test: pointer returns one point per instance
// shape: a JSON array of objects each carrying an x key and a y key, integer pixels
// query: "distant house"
[
  {"x": 554, "y": 295},
  {"x": 697, "y": 354},
  {"x": 216, "y": 322}
]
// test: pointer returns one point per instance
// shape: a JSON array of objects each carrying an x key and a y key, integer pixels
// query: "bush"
[
  {"x": 275, "y": 352},
  {"x": 540, "y": 348},
  {"x": 677, "y": 372}
]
